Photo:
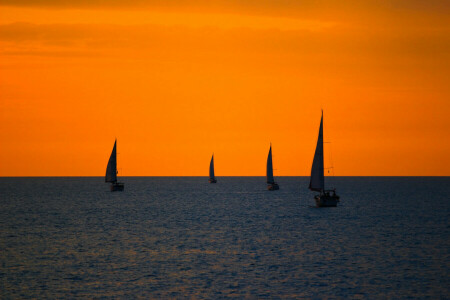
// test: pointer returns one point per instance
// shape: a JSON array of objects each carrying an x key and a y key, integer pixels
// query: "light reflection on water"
[{"x": 181, "y": 236}]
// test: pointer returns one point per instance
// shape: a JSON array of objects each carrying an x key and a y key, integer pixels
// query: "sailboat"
[
  {"x": 271, "y": 184},
  {"x": 326, "y": 198},
  {"x": 111, "y": 171},
  {"x": 212, "y": 178}
]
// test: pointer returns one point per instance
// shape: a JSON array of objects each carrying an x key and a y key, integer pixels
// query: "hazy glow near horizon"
[{"x": 174, "y": 83}]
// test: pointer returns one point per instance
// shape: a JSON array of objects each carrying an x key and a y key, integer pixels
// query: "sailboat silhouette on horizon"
[
  {"x": 326, "y": 198},
  {"x": 212, "y": 178},
  {"x": 111, "y": 171},
  {"x": 271, "y": 184}
]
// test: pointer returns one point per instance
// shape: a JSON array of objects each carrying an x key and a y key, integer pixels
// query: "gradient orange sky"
[{"x": 177, "y": 80}]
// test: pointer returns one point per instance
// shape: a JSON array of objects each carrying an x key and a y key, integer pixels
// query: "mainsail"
[
  {"x": 111, "y": 169},
  {"x": 269, "y": 170},
  {"x": 317, "y": 181},
  {"x": 211, "y": 168}
]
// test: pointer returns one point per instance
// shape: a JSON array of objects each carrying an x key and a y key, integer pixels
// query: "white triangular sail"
[
  {"x": 317, "y": 181},
  {"x": 269, "y": 169},
  {"x": 111, "y": 169},
  {"x": 211, "y": 168}
]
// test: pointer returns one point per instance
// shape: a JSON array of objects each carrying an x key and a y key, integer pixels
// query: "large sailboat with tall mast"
[
  {"x": 111, "y": 171},
  {"x": 271, "y": 184},
  {"x": 326, "y": 198},
  {"x": 212, "y": 178}
]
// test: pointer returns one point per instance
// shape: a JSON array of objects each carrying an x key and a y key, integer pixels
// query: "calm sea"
[{"x": 181, "y": 237}]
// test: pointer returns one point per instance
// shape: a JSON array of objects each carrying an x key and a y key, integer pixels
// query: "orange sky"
[{"x": 177, "y": 80}]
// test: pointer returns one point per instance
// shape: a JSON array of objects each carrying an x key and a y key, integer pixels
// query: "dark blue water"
[{"x": 183, "y": 237}]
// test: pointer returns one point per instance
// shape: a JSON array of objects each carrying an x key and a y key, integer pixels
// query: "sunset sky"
[{"x": 175, "y": 81}]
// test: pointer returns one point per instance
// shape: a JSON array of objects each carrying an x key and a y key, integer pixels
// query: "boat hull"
[
  {"x": 212, "y": 181},
  {"x": 117, "y": 187},
  {"x": 326, "y": 200},
  {"x": 273, "y": 187}
]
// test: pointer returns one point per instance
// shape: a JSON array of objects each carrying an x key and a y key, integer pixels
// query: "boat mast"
[
  {"x": 269, "y": 167},
  {"x": 211, "y": 168},
  {"x": 317, "y": 179},
  {"x": 323, "y": 156},
  {"x": 111, "y": 169}
]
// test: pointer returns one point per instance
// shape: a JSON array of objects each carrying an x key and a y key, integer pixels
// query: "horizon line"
[{"x": 206, "y": 176}]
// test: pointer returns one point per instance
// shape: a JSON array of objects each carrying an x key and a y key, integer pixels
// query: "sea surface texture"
[{"x": 181, "y": 237}]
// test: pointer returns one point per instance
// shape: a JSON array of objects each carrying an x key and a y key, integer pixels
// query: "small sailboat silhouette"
[
  {"x": 271, "y": 184},
  {"x": 111, "y": 171},
  {"x": 212, "y": 178},
  {"x": 326, "y": 198}
]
